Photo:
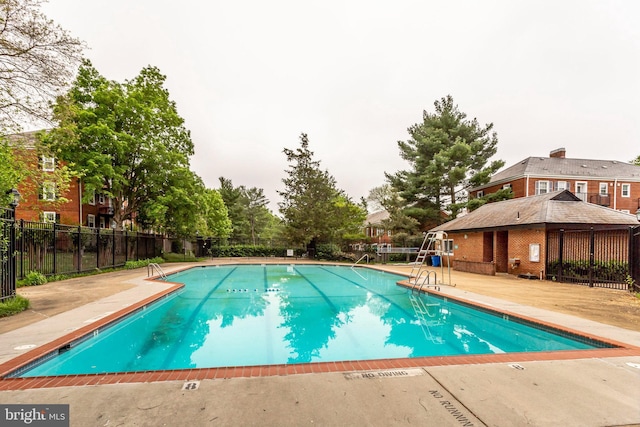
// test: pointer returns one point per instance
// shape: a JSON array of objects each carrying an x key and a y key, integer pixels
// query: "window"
[
  {"x": 91, "y": 221},
  {"x": 604, "y": 188},
  {"x": 103, "y": 223},
  {"x": 626, "y": 190},
  {"x": 101, "y": 199},
  {"x": 562, "y": 185},
  {"x": 48, "y": 191},
  {"x": 506, "y": 186},
  {"x": 581, "y": 190},
  {"x": 49, "y": 216},
  {"x": 447, "y": 246},
  {"x": 542, "y": 187},
  {"x": 479, "y": 194},
  {"x": 92, "y": 200},
  {"x": 48, "y": 163}
]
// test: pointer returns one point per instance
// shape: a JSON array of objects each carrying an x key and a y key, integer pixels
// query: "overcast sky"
[{"x": 249, "y": 76}]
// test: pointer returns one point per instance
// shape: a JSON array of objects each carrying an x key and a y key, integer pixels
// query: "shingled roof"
[
  {"x": 560, "y": 208},
  {"x": 563, "y": 167}
]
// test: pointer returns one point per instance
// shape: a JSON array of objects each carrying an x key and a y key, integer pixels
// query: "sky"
[{"x": 250, "y": 76}]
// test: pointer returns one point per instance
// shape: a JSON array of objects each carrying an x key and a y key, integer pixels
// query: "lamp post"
[{"x": 15, "y": 199}]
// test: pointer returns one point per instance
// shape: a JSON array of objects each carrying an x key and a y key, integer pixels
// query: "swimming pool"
[{"x": 287, "y": 314}]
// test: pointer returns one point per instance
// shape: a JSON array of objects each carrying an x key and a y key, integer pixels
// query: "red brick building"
[
  {"x": 41, "y": 199},
  {"x": 610, "y": 183},
  {"x": 513, "y": 236}
]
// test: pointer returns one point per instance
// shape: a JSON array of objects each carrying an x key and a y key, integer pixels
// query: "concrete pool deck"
[{"x": 601, "y": 388}]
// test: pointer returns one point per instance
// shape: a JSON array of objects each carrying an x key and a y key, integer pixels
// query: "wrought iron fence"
[
  {"x": 50, "y": 248},
  {"x": 7, "y": 254},
  {"x": 591, "y": 257}
]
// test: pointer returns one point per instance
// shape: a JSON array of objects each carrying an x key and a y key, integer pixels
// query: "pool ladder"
[
  {"x": 155, "y": 267},
  {"x": 422, "y": 312}
]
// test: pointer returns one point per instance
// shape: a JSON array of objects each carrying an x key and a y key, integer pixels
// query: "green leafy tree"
[
  {"x": 123, "y": 140},
  {"x": 37, "y": 61},
  {"x": 213, "y": 219},
  {"x": 448, "y": 154},
  {"x": 247, "y": 210},
  {"x": 12, "y": 171},
  {"x": 235, "y": 200},
  {"x": 313, "y": 208}
]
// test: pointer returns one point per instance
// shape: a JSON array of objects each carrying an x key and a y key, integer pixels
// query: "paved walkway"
[{"x": 599, "y": 391}]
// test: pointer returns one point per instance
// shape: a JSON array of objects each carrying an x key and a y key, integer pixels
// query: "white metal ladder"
[
  {"x": 155, "y": 267},
  {"x": 433, "y": 244}
]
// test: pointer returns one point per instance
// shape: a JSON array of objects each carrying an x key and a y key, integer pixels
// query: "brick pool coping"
[{"x": 619, "y": 350}]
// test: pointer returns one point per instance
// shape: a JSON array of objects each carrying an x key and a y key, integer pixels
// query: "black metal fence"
[
  {"x": 50, "y": 248},
  {"x": 7, "y": 254},
  {"x": 600, "y": 258}
]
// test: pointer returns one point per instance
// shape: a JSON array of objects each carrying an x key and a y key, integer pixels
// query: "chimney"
[{"x": 559, "y": 153}]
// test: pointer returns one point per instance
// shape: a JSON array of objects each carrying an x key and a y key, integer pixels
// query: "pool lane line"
[
  {"x": 186, "y": 329},
  {"x": 266, "y": 279},
  {"x": 411, "y": 315},
  {"x": 322, "y": 294}
]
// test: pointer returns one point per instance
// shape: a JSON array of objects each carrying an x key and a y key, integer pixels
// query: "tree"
[
  {"x": 388, "y": 198},
  {"x": 247, "y": 210},
  {"x": 126, "y": 141},
  {"x": 37, "y": 61},
  {"x": 13, "y": 170},
  {"x": 314, "y": 210},
  {"x": 448, "y": 154}
]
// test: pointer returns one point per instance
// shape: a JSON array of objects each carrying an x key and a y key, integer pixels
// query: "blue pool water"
[{"x": 242, "y": 315}]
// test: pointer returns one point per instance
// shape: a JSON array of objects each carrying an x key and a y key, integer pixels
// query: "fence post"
[
  {"x": 79, "y": 248},
  {"x": 21, "y": 248},
  {"x": 55, "y": 248},
  {"x": 560, "y": 254},
  {"x": 113, "y": 252},
  {"x": 98, "y": 248},
  {"x": 592, "y": 250}
]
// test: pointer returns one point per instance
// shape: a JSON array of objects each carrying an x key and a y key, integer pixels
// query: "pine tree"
[{"x": 448, "y": 154}]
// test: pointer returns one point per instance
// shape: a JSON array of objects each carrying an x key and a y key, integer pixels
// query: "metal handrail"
[
  {"x": 361, "y": 258},
  {"x": 155, "y": 266}
]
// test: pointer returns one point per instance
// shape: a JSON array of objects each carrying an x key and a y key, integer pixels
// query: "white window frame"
[
  {"x": 91, "y": 221},
  {"x": 625, "y": 190},
  {"x": 103, "y": 222},
  {"x": 480, "y": 194},
  {"x": 48, "y": 163},
  {"x": 49, "y": 216},
  {"x": 447, "y": 246},
  {"x": 539, "y": 189},
  {"x": 582, "y": 194},
  {"x": 603, "y": 188},
  {"x": 561, "y": 185},
  {"x": 101, "y": 199},
  {"x": 504, "y": 187},
  {"x": 92, "y": 200},
  {"x": 49, "y": 191}
]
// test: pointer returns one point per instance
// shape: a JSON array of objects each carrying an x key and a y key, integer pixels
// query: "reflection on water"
[{"x": 273, "y": 314}]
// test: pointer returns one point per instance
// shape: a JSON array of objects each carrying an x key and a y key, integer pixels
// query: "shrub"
[
  {"x": 130, "y": 265},
  {"x": 34, "y": 278},
  {"x": 12, "y": 306}
]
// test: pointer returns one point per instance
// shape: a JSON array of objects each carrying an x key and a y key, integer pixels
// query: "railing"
[
  {"x": 50, "y": 248},
  {"x": 361, "y": 258},
  {"x": 155, "y": 267}
]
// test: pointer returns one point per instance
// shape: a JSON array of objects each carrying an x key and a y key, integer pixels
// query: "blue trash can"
[{"x": 435, "y": 260}]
